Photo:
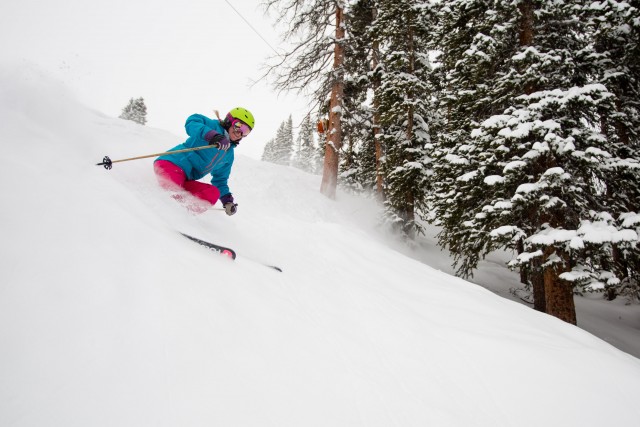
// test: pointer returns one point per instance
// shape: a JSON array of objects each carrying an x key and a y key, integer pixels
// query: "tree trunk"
[
  {"x": 377, "y": 128},
  {"x": 524, "y": 271},
  {"x": 334, "y": 137},
  {"x": 526, "y": 25},
  {"x": 537, "y": 283},
  {"x": 526, "y": 33},
  {"x": 531, "y": 274},
  {"x": 408, "y": 211},
  {"x": 558, "y": 292}
]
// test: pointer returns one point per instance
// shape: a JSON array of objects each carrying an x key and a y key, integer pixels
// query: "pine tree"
[
  {"x": 525, "y": 156},
  {"x": 284, "y": 142},
  {"x": 357, "y": 166},
  {"x": 475, "y": 38},
  {"x": 616, "y": 34},
  {"x": 279, "y": 150},
  {"x": 135, "y": 111},
  {"x": 305, "y": 154},
  {"x": 404, "y": 98},
  {"x": 268, "y": 154}
]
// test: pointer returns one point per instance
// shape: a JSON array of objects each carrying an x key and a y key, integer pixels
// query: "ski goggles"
[{"x": 241, "y": 127}]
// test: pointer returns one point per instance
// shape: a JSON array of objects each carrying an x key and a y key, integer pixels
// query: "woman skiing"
[{"x": 181, "y": 171}]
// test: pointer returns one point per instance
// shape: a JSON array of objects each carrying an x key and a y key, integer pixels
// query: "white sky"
[{"x": 183, "y": 57}]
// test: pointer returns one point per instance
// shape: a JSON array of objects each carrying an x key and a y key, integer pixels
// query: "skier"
[{"x": 178, "y": 172}]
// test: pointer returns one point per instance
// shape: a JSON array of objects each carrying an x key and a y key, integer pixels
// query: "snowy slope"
[{"x": 109, "y": 317}]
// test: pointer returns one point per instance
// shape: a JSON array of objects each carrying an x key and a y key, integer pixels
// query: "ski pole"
[{"x": 107, "y": 162}]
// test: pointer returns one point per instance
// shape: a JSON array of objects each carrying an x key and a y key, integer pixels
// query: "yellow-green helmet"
[{"x": 241, "y": 114}]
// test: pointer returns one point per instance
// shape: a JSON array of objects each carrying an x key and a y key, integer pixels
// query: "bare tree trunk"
[
  {"x": 537, "y": 283},
  {"x": 526, "y": 33},
  {"x": 334, "y": 138},
  {"x": 531, "y": 274},
  {"x": 558, "y": 292},
  {"x": 526, "y": 25}
]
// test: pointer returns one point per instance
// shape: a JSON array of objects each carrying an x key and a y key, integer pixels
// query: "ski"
[{"x": 223, "y": 250}]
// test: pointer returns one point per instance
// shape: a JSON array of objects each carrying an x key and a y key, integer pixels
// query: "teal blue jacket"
[{"x": 197, "y": 164}]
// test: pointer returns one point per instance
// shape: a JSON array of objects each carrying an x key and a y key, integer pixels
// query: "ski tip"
[
  {"x": 222, "y": 250},
  {"x": 228, "y": 253}
]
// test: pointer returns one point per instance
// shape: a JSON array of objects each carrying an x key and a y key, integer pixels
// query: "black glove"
[
  {"x": 214, "y": 138},
  {"x": 229, "y": 207}
]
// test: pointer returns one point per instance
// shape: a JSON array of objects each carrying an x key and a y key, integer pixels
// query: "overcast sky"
[{"x": 183, "y": 57}]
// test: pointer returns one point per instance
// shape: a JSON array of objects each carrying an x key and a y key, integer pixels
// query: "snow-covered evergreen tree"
[
  {"x": 135, "y": 111},
  {"x": 280, "y": 149},
  {"x": 476, "y": 37},
  {"x": 358, "y": 166},
  {"x": 616, "y": 34},
  {"x": 404, "y": 98},
  {"x": 305, "y": 157},
  {"x": 524, "y": 163},
  {"x": 284, "y": 142},
  {"x": 268, "y": 154}
]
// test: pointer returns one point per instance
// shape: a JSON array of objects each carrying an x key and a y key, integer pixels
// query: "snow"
[
  {"x": 498, "y": 120},
  {"x": 467, "y": 176},
  {"x": 552, "y": 235},
  {"x": 503, "y": 205},
  {"x": 456, "y": 160},
  {"x": 630, "y": 219},
  {"x": 600, "y": 232},
  {"x": 503, "y": 230},
  {"x": 109, "y": 317},
  {"x": 522, "y": 130},
  {"x": 517, "y": 164},
  {"x": 527, "y": 188},
  {"x": 576, "y": 243},
  {"x": 555, "y": 171},
  {"x": 493, "y": 180},
  {"x": 597, "y": 152},
  {"x": 593, "y": 232},
  {"x": 528, "y": 256}
]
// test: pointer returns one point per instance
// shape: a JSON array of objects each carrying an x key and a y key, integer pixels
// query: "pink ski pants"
[{"x": 171, "y": 177}]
